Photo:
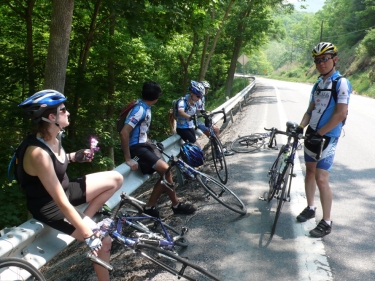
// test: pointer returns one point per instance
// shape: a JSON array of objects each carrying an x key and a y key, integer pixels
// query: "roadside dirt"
[{"x": 72, "y": 264}]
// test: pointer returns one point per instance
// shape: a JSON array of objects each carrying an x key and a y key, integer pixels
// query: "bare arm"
[
  {"x": 38, "y": 162},
  {"x": 338, "y": 116},
  {"x": 183, "y": 114},
  {"x": 125, "y": 136},
  {"x": 307, "y": 116}
]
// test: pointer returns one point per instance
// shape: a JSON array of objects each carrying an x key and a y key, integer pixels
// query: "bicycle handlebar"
[
  {"x": 207, "y": 116},
  {"x": 97, "y": 260},
  {"x": 293, "y": 134}
]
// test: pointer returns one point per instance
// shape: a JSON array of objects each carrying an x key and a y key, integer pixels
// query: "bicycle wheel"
[
  {"x": 174, "y": 264},
  {"x": 221, "y": 193},
  {"x": 281, "y": 195},
  {"x": 248, "y": 143},
  {"x": 18, "y": 269},
  {"x": 151, "y": 226},
  {"x": 218, "y": 158},
  {"x": 273, "y": 175}
]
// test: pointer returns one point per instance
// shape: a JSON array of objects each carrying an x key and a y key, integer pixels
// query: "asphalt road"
[{"x": 240, "y": 248}]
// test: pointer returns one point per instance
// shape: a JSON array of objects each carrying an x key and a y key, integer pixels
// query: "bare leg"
[
  {"x": 322, "y": 179},
  {"x": 99, "y": 188},
  {"x": 103, "y": 253},
  {"x": 161, "y": 167},
  {"x": 310, "y": 183}
]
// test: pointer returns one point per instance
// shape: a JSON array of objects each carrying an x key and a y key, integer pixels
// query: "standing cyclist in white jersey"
[{"x": 324, "y": 116}]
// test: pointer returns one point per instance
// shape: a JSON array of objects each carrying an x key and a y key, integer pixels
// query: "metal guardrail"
[{"x": 38, "y": 243}]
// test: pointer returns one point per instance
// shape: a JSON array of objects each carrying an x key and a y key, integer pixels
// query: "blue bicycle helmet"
[
  {"x": 192, "y": 155},
  {"x": 196, "y": 88},
  {"x": 38, "y": 103}
]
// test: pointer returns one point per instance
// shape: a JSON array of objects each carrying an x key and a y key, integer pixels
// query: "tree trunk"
[
  {"x": 29, "y": 46},
  {"x": 185, "y": 65},
  {"x": 232, "y": 67},
  {"x": 81, "y": 68},
  {"x": 58, "y": 48},
  {"x": 206, "y": 63},
  {"x": 111, "y": 85}
]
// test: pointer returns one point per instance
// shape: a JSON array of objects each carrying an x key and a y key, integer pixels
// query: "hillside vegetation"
[{"x": 346, "y": 23}]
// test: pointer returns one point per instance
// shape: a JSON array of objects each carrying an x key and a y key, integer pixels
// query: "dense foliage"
[{"x": 114, "y": 46}]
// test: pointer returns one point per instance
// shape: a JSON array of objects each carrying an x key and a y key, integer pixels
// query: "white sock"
[
  {"x": 312, "y": 208},
  {"x": 328, "y": 222}
]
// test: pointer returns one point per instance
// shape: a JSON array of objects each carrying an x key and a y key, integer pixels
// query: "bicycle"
[
  {"x": 138, "y": 224},
  {"x": 18, "y": 269},
  {"x": 249, "y": 143},
  {"x": 216, "y": 189},
  {"x": 217, "y": 151},
  {"x": 281, "y": 172},
  {"x": 154, "y": 249}
]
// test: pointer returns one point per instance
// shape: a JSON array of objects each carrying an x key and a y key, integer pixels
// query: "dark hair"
[
  {"x": 151, "y": 91},
  {"x": 42, "y": 127}
]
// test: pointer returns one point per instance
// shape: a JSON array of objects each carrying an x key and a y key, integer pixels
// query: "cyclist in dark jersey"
[
  {"x": 51, "y": 196},
  {"x": 324, "y": 117}
]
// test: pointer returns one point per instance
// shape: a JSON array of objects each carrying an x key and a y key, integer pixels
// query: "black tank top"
[{"x": 39, "y": 202}]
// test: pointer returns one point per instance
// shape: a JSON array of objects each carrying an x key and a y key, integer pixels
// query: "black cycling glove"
[
  {"x": 81, "y": 156},
  {"x": 315, "y": 139}
]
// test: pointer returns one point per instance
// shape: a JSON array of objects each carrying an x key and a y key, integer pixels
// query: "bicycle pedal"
[
  {"x": 294, "y": 175},
  {"x": 261, "y": 198}
]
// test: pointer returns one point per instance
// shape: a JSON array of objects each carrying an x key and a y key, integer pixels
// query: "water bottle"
[{"x": 284, "y": 158}]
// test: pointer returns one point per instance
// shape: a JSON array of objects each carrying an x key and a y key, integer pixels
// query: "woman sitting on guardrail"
[{"x": 41, "y": 172}]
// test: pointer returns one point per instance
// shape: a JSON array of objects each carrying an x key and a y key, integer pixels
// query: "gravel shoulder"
[{"x": 72, "y": 264}]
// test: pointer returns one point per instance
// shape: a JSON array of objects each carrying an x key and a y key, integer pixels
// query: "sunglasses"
[
  {"x": 325, "y": 59},
  {"x": 63, "y": 110}
]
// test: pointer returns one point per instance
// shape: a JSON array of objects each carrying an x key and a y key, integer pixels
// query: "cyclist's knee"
[{"x": 106, "y": 244}]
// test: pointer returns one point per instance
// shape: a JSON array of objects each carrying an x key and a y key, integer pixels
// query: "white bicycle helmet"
[
  {"x": 324, "y": 48},
  {"x": 205, "y": 84}
]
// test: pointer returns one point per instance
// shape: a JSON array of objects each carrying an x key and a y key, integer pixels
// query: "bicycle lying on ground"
[
  {"x": 217, "y": 151},
  {"x": 18, "y": 269},
  {"x": 216, "y": 189},
  {"x": 249, "y": 143},
  {"x": 138, "y": 224},
  {"x": 153, "y": 248},
  {"x": 281, "y": 172}
]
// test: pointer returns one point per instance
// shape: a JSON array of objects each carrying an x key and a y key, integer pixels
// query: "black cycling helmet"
[
  {"x": 192, "y": 154},
  {"x": 151, "y": 91},
  {"x": 38, "y": 103},
  {"x": 324, "y": 48}
]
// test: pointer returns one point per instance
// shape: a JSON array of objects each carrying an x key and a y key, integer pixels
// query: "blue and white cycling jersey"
[
  {"x": 325, "y": 104},
  {"x": 140, "y": 119},
  {"x": 184, "y": 123}
]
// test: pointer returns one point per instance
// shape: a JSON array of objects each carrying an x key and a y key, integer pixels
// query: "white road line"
[{"x": 312, "y": 259}]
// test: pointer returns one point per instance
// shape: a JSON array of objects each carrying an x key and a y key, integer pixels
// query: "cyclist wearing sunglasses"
[
  {"x": 187, "y": 108},
  {"x": 324, "y": 118},
  {"x": 50, "y": 194}
]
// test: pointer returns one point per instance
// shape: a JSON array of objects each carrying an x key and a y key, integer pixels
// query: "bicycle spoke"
[
  {"x": 219, "y": 161},
  {"x": 174, "y": 264},
  {"x": 248, "y": 143},
  {"x": 222, "y": 193}
]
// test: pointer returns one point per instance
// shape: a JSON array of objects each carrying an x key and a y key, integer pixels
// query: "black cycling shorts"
[
  {"x": 188, "y": 134},
  {"x": 148, "y": 154},
  {"x": 50, "y": 213}
]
